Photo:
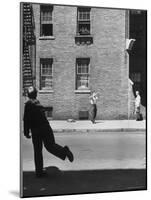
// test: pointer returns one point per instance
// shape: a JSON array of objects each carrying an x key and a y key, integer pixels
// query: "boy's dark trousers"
[
  {"x": 93, "y": 112},
  {"x": 44, "y": 136},
  {"x": 139, "y": 116}
]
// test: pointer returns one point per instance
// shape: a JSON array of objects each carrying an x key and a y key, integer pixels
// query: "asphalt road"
[
  {"x": 104, "y": 162},
  {"x": 114, "y": 150}
]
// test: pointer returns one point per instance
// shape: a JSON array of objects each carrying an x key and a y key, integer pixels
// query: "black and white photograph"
[{"x": 83, "y": 99}]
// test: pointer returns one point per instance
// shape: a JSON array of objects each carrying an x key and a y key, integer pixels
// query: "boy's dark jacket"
[{"x": 34, "y": 116}]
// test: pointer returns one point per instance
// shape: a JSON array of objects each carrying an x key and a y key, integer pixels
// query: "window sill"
[
  {"x": 82, "y": 91},
  {"x": 46, "y": 38},
  {"x": 45, "y": 91},
  {"x": 84, "y": 36}
]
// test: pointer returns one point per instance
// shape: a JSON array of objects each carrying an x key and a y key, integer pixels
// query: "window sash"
[
  {"x": 46, "y": 14},
  {"x": 83, "y": 81},
  {"x": 46, "y": 29},
  {"x": 46, "y": 17},
  {"x": 46, "y": 70},
  {"x": 84, "y": 28},
  {"x": 83, "y": 15},
  {"x": 46, "y": 82},
  {"x": 82, "y": 69},
  {"x": 46, "y": 76},
  {"x": 82, "y": 73}
]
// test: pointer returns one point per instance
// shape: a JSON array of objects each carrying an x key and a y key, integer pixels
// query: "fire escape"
[{"x": 28, "y": 41}]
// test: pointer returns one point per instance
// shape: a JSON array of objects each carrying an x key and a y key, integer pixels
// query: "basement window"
[{"x": 48, "y": 112}]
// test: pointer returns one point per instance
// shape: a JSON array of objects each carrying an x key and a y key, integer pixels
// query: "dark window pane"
[
  {"x": 49, "y": 111},
  {"x": 84, "y": 14},
  {"x": 47, "y": 30},
  {"x": 84, "y": 29}
]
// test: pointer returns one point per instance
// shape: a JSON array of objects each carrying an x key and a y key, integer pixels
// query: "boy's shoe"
[{"x": 69, "y": 154}]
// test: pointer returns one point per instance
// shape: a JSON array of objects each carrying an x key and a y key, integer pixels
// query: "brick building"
[{"x": 75, "y": 50}]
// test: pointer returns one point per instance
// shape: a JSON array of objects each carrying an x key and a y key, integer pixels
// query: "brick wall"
[{"x": 108, "y": 63}]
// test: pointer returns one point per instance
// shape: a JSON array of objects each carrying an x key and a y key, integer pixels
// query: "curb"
[{"x": 98, "y": 130}]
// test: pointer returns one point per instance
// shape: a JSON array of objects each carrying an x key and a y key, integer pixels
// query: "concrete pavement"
[
  {"x": 112, "y": 150},
  {"x": 100, "y": 125}
]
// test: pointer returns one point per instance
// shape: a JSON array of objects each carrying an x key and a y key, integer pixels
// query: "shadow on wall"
[{"x": 59, "y": 182}]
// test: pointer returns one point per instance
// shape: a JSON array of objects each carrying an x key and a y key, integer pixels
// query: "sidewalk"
[{"x": 100, "y": 126}]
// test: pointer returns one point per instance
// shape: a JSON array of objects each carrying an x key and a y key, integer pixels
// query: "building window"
[
  {"x": 83, "y": 23},
  {"x": 82, "y": 73},
  {"x": 46, "y": 74},
  {"x": 46, "y": 26}
]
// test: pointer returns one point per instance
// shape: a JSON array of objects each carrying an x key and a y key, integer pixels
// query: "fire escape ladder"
[{"x": 28, "y": 40}]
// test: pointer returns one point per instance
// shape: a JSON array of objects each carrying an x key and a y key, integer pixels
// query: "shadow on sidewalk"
[{"x": 86, "y": 181}]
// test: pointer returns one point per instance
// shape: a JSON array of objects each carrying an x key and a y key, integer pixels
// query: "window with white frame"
[
  {"x": 83, "y": 21},
  {"x": 46, "y": 26},
  {"x": 82, "y": 73},
  {"x": 46, "y": 73}
]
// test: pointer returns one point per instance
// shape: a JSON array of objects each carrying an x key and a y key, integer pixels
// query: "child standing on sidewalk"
[
  {"x": 93, "y": 107},
  {"x": 139, "y": 116}
]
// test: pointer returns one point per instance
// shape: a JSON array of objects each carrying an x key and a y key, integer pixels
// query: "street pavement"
[{"x": 105, "y": 150}]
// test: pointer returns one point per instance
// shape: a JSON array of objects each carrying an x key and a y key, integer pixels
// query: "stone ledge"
[
  {"x": 46, "y": 38},
  {"x": 82, "y": 91}
]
